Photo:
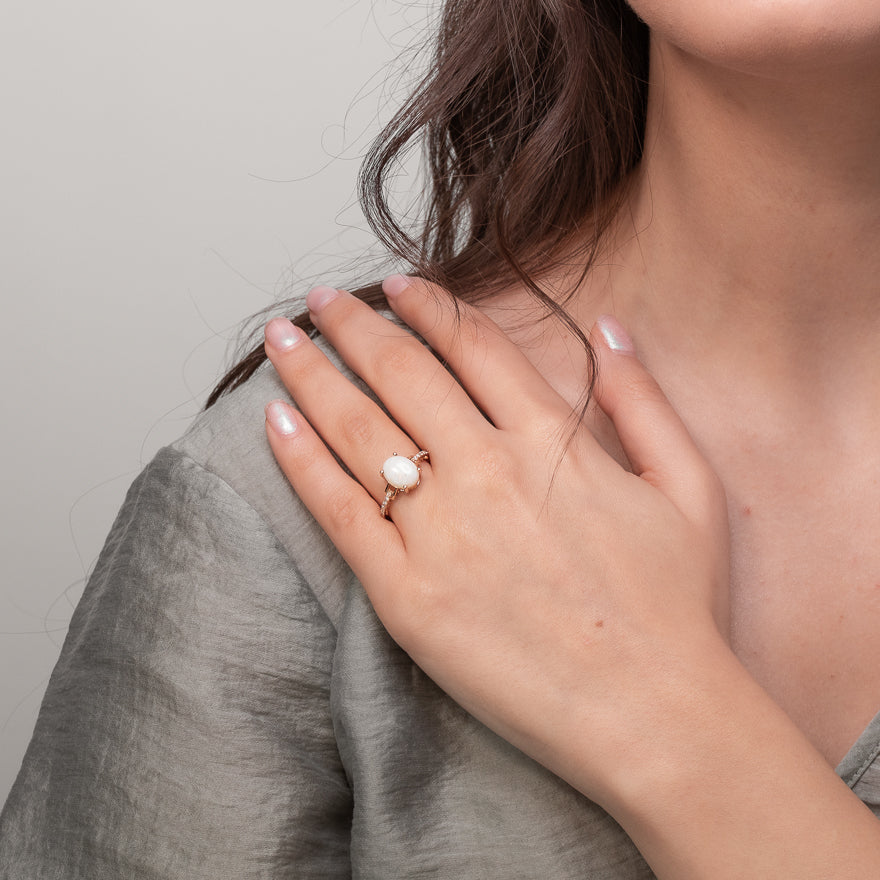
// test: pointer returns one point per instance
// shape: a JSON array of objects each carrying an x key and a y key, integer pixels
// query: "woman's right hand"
[{"x": 562, "y": 600}]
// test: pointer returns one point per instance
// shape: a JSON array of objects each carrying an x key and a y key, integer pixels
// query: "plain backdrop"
[{"x": 167, "y": 167}]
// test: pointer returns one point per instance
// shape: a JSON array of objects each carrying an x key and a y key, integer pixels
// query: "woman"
[{"x": 683, "y": 673}]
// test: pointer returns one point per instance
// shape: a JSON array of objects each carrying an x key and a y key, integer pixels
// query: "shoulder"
[
  {"x": 192, "y": 696},
  {"x": 227, "y": 444}
]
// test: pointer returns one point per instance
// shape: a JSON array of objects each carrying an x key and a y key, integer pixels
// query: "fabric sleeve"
[{"x": 186, "y": 729}]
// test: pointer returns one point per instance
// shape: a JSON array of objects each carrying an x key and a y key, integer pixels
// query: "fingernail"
[
  {"x": 282, "y": 335},
  {"x": 616, "y": 338},
  {"x": 318, "y": 297},
  {"x": 281, "y": 417},
  {"x": 394, "y": 285}
]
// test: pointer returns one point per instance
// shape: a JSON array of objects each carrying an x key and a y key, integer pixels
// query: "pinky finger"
[{"x": 348, "y": 514}]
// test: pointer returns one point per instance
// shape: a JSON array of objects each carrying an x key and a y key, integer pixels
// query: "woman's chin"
[{"x": 769, "y": 36}]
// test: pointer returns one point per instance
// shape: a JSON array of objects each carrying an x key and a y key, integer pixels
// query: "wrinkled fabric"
[{"x": 227, "y": 705}]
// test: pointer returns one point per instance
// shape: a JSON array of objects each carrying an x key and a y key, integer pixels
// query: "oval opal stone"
[{"x": 400, "y": 472}]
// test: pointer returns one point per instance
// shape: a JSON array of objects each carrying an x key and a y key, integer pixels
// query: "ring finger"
[{"x": 357, "y": 429}]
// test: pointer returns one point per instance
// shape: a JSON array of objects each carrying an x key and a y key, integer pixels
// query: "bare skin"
[
  {"x": 611, "y": 664},
  {"x": 745, "y": 269},
  {"x": 770, "y": 352},
  {"x": 787, "y": 309}
]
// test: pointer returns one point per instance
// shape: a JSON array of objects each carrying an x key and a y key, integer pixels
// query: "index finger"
[
  {"x": 503, "y": 382},
  {"x": 420, "y": 394}
]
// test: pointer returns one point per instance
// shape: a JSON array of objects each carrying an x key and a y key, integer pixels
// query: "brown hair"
[{"x": 531, "y": 118}]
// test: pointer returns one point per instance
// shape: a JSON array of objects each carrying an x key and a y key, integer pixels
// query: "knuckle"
[
  {"x": 470, "y": 330},
  {"x": 489, "y": 465},
  {"x": 642, "y": 387},
  {"x": 357, "y": 427},
  {"x": 305, "y": 456},
  {"x": 342, "y": 509},
  {"x": 397, "y": 358},
  {"x": 490, "y": 472},
  {"x": 554, "y": 431}
]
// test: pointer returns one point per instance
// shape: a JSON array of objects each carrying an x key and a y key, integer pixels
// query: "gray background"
[{"x": 167, "y": 167}]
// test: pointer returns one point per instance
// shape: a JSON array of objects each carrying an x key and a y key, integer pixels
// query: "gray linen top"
[{"x": 227, "y": 705}]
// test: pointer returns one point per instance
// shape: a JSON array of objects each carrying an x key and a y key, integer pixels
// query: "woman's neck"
[{"x": 754, "y": 223}]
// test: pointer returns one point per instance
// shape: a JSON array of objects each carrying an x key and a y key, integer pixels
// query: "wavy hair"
[{"x": 531, "y": 118}]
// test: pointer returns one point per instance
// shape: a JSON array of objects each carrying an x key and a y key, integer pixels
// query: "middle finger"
[
  {"x": 422, "y": 396},
  {"x": 350, "y": 422}
]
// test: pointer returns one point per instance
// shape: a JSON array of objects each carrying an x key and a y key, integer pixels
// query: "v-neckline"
[{"x": 862, "y": 754}]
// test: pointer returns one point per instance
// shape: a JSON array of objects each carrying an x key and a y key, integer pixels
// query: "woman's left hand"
[{"x": 558, "y": 597}]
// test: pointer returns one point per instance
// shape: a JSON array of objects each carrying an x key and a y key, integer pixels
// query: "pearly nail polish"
[
  {"x": 394, "y": 285},
  {"x": 282, "y": 335},
  {"x": 280, "y": 416},
  {"x": 616, "y": 338},
  {"x": 318, "y": 297}
]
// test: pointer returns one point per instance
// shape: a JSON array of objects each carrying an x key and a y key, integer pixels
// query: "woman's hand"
[
  {"x": 556, "y": 596},
  {"x": 577, "y": 609}
]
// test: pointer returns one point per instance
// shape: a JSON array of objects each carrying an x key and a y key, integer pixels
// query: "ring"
[{"x": 401, "y": 474}]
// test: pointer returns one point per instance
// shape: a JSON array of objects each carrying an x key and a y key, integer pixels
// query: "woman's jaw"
[
  {"x": 751, "y": 235},
  {"x": 772, "y": 37}
]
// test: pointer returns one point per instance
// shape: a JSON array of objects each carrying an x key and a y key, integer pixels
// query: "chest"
[
  {"x": 805, "y": 579},
  {"x": 805, "y": 556},
  {"x": 805, "y": 600}
]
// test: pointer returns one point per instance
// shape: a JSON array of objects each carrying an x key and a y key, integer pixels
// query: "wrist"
[
  {"x": 728, "y": 780},
  {"x": 654, "y": 713},
  {"x": 696, "y": 702}
]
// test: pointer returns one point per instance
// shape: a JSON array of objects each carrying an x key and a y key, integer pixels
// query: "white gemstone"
[{"x": 400, "y": 472}]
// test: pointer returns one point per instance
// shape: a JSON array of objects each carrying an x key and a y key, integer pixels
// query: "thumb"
[{"x": 654, "y": 438}]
